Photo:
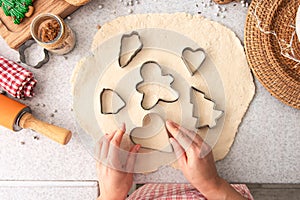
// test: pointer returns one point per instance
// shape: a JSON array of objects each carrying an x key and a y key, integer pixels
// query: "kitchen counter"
[{"x": 266, "y": 148}]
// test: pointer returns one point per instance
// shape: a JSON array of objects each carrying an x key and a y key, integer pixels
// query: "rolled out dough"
[
  {"x": 222, "y": 48},
  {"x": 220, "y": 43}
]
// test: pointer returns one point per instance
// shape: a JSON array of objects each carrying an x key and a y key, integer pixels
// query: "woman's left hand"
[{"x": 115, "y": 178}]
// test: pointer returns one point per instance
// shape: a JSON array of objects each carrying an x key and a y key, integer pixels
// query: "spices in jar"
[
  {"x": 52, "y": 33},
  {"x": 48, "y": 30}
]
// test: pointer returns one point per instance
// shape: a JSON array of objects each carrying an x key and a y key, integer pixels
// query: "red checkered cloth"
[
  {"x": 16, "y": 80},
  {"x": 178, "y": 192}
]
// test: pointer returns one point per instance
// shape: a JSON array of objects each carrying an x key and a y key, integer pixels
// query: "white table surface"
[{"x": 266, "y": 149}]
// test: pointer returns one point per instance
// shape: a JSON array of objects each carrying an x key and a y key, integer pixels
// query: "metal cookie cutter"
[
  {"x": 214, "y": 113},
  {"x": 193, "y": 59},
  {"x": 151, "y": 81},
  {"x": 109, "y": 97},
  {"x": 23, "y": 57},
  {"x": 129, "y": 42},
  {"x": 152, "y": 130}
]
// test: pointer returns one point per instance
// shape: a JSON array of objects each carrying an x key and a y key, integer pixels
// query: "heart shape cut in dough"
[
  {"x": 153, "y": 134},
  {"x": 193, "y": 59}
]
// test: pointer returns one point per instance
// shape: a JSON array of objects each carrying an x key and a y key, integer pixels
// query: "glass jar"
[{"x": 51, "y": 32}]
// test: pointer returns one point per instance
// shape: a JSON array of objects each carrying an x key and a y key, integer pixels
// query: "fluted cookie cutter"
[{"x": 26, "y": 45}]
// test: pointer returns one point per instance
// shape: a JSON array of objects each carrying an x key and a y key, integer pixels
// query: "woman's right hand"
[{"x": 196, "y": 161}]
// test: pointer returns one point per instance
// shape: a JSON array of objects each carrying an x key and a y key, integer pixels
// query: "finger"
[
  {"x": 179, "y": 152},
  {"x": 113, "y": 157},
  {"x": 115, "y": 153},
  {"x": 104, "y": 149},
  {"x": 110, "y": 136},
  {"x": 192, "y": 134},
  {"x": 132, "y": 158},
  {"x": 205, "y": 150},
  {"x": 98, "y": 148},
  {"x": 105, "y": 145},
  {"x": 116, "y": 140},
  {"x": 184, "y": 141}
]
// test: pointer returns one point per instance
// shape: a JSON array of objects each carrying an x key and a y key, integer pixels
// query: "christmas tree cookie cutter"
[{"x": 205, "y": 116}]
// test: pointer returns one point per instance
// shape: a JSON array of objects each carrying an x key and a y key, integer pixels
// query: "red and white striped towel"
[{"x": 16, "y": 80}]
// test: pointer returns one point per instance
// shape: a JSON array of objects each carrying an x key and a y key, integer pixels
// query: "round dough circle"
[{"x": 221, "y": 46}]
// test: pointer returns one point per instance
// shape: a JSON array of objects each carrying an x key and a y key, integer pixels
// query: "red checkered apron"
[
  {"x": 16, "y": 80},
  {"x": 178, "y": 192}
]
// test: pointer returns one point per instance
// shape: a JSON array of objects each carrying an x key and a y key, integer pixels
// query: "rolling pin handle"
[{"x": 58, "y": 134}]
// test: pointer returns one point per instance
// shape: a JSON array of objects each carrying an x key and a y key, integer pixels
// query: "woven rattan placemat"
[{"x": 278, "y": 74}]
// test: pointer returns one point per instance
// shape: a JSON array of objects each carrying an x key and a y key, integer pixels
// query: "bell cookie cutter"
[{"x": 116, "y": 102}]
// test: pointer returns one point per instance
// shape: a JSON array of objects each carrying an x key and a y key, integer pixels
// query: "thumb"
[
  {"x": 179, "y": 152},
  {"x": 132, "y": 158}
]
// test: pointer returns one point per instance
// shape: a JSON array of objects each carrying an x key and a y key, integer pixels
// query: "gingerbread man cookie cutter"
[{"x": 152, "y": 80}]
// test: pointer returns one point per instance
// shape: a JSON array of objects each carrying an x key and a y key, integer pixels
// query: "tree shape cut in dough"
[
  {"x": 111, "y": 102},
  {"x": 204, "y": 109},
  {"x": 155, "y": 86},
  {"x": 130, "y": 46},
  {"x": 193, "y": 59},
  {"x": 153, "y": 134}
]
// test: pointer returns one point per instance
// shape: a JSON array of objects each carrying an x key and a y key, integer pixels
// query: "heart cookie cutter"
[
  {"x": 153, "y": 134},
  {"x": 193, "y": 59}
]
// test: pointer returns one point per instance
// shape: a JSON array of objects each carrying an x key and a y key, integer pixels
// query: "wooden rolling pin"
[{"x": 15, "y": 116}]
